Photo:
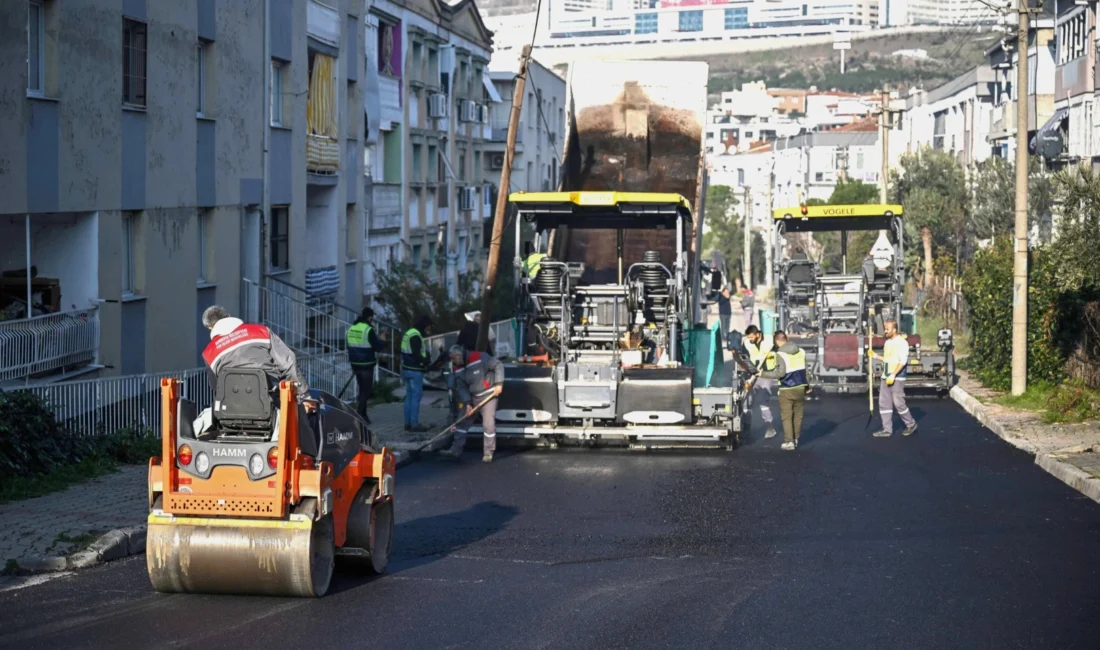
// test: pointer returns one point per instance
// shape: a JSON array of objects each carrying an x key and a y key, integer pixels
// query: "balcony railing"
[{"x": 32, "y": 346}]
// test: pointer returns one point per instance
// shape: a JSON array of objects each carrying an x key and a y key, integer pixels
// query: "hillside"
[{"x": 870, "y": 63}]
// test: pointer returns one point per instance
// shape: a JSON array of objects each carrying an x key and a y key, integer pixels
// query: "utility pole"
[
  {"x": 502, "y": 201},
  {"x": 746, "y": 263},
  {"x": 884, "y": 139},
  {"x": 769, "y": 235},
  {"x": 1019, "y": 267}
]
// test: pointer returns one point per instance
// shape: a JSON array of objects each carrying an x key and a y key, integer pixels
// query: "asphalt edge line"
[
  {"x": 1072, "y": 476},
  {"x": 120, "y": 543}
]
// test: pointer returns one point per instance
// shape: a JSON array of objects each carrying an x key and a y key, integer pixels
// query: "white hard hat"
[{"x": 471, "y": 315}]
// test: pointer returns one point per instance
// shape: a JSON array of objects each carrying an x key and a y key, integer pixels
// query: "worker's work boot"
[
  {"x": 882, "y": 433},
  {"x": 450, "y": 453},
  {"x": 416, "y": 428},
  {"x": 770, "y": 433},
  {"x": 788, "y": 446},
  {"x": 910, "y": 430},
  {"x": 487, "y": 457}
]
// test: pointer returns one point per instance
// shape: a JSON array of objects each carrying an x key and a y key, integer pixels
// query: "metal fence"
[
  {"x": 32, "y": 345},
  {"x": 502, "y": 336},
  {"x": 111, "y": 404}
]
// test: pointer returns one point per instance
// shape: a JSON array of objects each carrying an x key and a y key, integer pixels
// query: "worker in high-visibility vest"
[
  {"x": 415, "y": 363},
  {"x": 363, "y": 347},
  {"x": 763, "y": 357},
  {"x": 531, "y": 264},
  {"x": 790, "y": 370}
]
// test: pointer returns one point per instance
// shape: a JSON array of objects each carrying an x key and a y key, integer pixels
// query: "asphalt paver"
[{"x": 948, "y": 538}]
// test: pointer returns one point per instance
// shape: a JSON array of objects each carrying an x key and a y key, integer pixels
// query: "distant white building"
[
  {"x": 955, "y": 117},
  {"x": 537, "y": 160}
]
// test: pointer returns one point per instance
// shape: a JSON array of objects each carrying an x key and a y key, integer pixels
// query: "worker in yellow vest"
[
  {"x": 415, "y": 358},
  {"x": 531, "y": 264},
  {"x": 790, "y": 370},
  {"x": 761, "y": 356},
  {"x": 363, "y": 347}
]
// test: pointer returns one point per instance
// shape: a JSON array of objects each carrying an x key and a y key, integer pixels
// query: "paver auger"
[{"x": 252, "y": 503}]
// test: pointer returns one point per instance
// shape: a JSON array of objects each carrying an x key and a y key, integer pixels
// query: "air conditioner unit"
[
  {"x": 467, "y": 111},
  {"x": 437, "y": 105},
  {"x": 497, "y": 162},
  {"x": 466, "y": 199}
]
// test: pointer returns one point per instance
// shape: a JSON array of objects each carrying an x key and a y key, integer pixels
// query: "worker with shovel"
[{"x": 477, "y": 376}]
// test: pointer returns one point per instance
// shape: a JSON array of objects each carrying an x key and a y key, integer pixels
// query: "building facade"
[
  {"x": 1003, "y": 58},
  {"x": 954, "y": 117},
  {"x": 539, "y": 140},
  {"x": 161, "y": 153},
  {"x": 430, "y": 200}
]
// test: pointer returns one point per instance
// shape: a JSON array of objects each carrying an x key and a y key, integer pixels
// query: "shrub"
[
  {"x": 987, "y": 287},
  {"x": 1072, "y": 401},
  {"x": 31, "y": 441}
]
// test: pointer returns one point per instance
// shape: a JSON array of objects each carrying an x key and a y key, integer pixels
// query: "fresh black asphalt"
[{"x": 948, "y": 539}]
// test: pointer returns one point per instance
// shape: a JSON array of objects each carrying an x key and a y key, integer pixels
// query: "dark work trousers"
[
  {"x": 724, "y": 319},
  {"x": 792, "y": 402},
  {"x": 365, "y": 381}
]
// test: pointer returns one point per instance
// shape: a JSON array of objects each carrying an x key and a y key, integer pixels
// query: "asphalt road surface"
[{"x": 950, "y": 538}]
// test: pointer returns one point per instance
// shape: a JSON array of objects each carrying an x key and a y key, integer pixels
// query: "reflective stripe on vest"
[
  {"x": 408, "y": 362},
  {"x": 795, "y": 365},
  {"x": 360, "y": 352},
  {"x": 244, "y": 335}
]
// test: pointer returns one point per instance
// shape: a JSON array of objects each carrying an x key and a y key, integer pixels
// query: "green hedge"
[
  {"x": 33, "y": 444},
  {"x": 987, "y": 287}
]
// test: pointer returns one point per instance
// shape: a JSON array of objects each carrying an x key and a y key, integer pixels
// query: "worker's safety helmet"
[{"x": 457, "y": 351}]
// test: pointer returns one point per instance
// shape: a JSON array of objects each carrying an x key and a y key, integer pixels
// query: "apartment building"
[
  {"x": 137, "y": 177},
  {"x": 954, "y": 117},
  {"x": 539, "y": 140},
  {"x": 430, "y": 200},
  {"x": 1070, "y": 134},
  {"x": 1003, "y": 58}
]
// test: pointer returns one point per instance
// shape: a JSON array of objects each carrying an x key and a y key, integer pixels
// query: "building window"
[
  {"x": 36, "y": 52},
  {"x": 417, "y": 163},
  {"x": 277, "y": 93},
  {"x": 737, "y": 18},
  {"x": 416, "y": 256},
  {"x": 691, "y": 21},
  {"x": 461, "y": 166},
  {"x": 349, "y": 234},
  {"x": 205, "y": 274},
  {"x": 279, "y": 248},
  {"x": 389, "y": 48},
  {"x": 205, "y": 58},
  {"x": 433, "y": 164},
  {"x": 645, "y": 23},
  {"x": 134, "y": 46},
  {"x": 129, "y": 245},
  {"x": 859, "y": 160}
]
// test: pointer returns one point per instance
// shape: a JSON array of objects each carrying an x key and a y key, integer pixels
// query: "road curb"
[
  {"x": 112, "y": 545},
  {"x": 120, "y": 543},
  {"x": 1072, "y": 476},
  {"x": 975, "y": 408}
]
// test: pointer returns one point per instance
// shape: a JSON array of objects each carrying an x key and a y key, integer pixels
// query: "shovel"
[
  {"x": 870, "y": 388},
  {"x": 437, "y": 437}
]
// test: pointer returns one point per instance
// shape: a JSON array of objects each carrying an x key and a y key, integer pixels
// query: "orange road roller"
[{"x": 256, "y": 497}]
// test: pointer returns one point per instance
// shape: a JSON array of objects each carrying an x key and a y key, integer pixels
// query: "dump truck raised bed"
[
  {"x": 613, "y": 349},
  {"x": 837, "y": 316}
]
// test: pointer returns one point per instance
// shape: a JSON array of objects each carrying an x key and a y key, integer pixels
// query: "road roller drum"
[{"x": 263, "y": 499}]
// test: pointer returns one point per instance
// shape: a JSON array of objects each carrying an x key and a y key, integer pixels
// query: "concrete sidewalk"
[
  {"x": 1071, "y": 452},
  {"x": 104, "y": 519}
]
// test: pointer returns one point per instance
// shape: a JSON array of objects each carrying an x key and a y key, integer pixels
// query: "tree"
[
  {"x": 828, "y": 248},
  {"x": 725, "y": 233},
  {"x": 407, "y": 292},
  {"x": 931, "y": 187},
  {"x": 993, "y": 208}
]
